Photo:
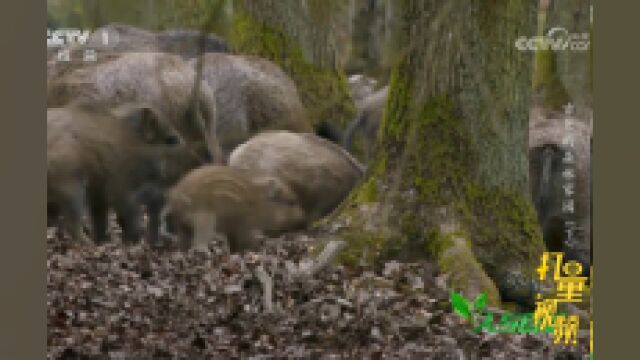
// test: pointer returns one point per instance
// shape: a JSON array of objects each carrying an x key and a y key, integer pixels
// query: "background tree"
[
  {"x": 310, "y": 40},
  {"x": 374, "y": 23}
]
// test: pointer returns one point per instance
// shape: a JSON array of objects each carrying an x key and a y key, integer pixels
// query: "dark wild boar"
[
  {"x": 320, "y": 173},
  {"x": 108, "y": 158},
  {"x": 233, "y": 202},
  {"x": 163, "y": 81}
]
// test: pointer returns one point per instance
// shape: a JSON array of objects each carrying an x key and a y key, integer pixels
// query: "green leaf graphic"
[
  {"x": 487, "y": 324},
  {"x": 526, "y": 324},
  {"x": 460, "y": 305},
  {"x": 480, "y": 302},
  {"x": 508, "y": 323}
]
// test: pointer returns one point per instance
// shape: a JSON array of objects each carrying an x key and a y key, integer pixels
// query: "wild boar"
[
  {"x": 367, "y": 121},
  {"x": 252, "y": 95},
  {"x": 320, "y": 173},
  {"x": 559, "y": 175},
  {"x": 104, "y": 158},
  {"x": 233, "y": 202},
  {"x": 163, "y": 81}
]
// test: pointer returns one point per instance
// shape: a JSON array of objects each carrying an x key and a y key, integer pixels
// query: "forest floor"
[{"x": 117, "y": 302}]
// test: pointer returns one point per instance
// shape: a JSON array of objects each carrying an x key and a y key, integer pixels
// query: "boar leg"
[
  {"x": 204, "y": 227},
  {"x": 242, "y": 239},
  {"x": 127, "y": 216},
  {"x": 185, "y": 236},
  {"x": 99, "y": 214},
  {"x": 154, "y": 207},
  {"x": 153, "y": 225},
  {"x": 71, "y": 205}
]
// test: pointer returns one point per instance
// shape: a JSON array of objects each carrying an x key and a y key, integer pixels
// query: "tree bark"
[
  {"x": 374, "y": 27},
  {"x": 450, "y": 176},
  {"x": 310, "y": 40}
]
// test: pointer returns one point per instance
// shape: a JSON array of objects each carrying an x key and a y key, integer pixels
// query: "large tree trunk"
[{"x": 450, "y": 177}]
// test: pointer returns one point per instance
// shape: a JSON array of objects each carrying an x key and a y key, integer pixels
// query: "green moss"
[
  {"x": 547, "y": 81},
  {"x": 395, "y": 121},
  {"x": 363, "y": 248},
  {"x": 505, "y": 229},
  {"x": 454, "y": 255},
  {"x": 368, "y": 191},
  {"x": 324, "y": 92},
  {"x": 436, "y": 243}
]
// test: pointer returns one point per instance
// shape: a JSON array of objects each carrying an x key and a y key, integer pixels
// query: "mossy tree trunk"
[
  {"x": 373, "y": 50},
  {"x": 310, "y": 40},
  {"x": 450, "y": 176}
]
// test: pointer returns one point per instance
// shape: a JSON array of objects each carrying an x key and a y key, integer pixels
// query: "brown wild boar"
[
  {"x": 320, "y": 173},
  {"x": 234, "y": 202},
  {"x": 108, "y": 158},
  {"x": 370, "y": 111},
  {"x": 163, "y": 81},
  {"x": 252, "y": 94},
  {"x": 560, "y": 181}
]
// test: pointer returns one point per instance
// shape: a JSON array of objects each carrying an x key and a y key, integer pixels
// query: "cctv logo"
[
  {"x": 61, "y": 37},
  {"x": 557, "y": 39}
]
